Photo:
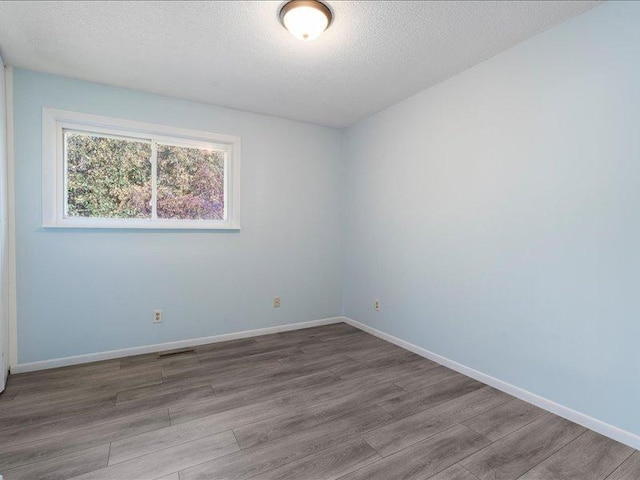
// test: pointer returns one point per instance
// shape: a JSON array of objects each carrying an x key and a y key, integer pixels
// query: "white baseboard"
[
  {"x": 127, "y": 352},
  {"x": 591, "y": 423}
]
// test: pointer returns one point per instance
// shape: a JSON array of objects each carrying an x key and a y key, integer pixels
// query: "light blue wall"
[
  {"x": 497, "y": 216},
  {"x": 85, "y": 291}
]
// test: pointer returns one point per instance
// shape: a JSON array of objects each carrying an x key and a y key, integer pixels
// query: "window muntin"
[{"x": 110, "y": 173}]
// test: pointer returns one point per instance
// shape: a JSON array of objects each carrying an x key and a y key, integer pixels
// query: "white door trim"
[{"x": 11, "y": 223}]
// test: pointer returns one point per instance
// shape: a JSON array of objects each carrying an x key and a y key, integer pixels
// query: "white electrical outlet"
[
  {"x": 157, "y": 316},
  {"x": 276, "y": 302},
  {"x": 376, "y": 305}
]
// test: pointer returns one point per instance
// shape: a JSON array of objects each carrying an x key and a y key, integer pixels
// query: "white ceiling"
[{"x": 236, "y": 54}]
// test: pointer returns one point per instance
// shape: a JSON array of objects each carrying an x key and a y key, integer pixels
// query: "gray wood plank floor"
[{"x": 327, "y": 402}]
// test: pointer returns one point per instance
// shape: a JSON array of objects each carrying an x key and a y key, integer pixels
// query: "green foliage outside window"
[
  {"x": 111, "y": 178},
  {"x": 108, "y": 177},
  {"x": 190, "y": 183}
]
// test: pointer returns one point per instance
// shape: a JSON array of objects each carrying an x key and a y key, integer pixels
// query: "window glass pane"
[
  {"x": 107, "y": 177},
  {"x": 190, "y": 183}
]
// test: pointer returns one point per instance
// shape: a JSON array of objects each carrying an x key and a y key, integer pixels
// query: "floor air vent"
[{"x": 173, "y": 353}]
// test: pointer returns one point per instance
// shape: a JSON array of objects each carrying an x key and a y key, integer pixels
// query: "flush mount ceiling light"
[{"x": 305, "y": 19}]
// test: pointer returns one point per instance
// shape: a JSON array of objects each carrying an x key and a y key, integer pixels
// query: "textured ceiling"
[{"x": 236, "y": 54}]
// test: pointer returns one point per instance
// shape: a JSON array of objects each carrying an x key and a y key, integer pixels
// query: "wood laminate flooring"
[{"x": 328, "y": 402}]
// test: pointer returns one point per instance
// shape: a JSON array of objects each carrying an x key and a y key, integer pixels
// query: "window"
[{"x": 102, "y": 172}]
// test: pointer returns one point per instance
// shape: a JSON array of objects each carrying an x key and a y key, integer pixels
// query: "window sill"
[{"x": 142, "y": 225}]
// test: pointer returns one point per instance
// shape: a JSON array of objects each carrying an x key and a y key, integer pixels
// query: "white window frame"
[{"x": 55, "y": 122}]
